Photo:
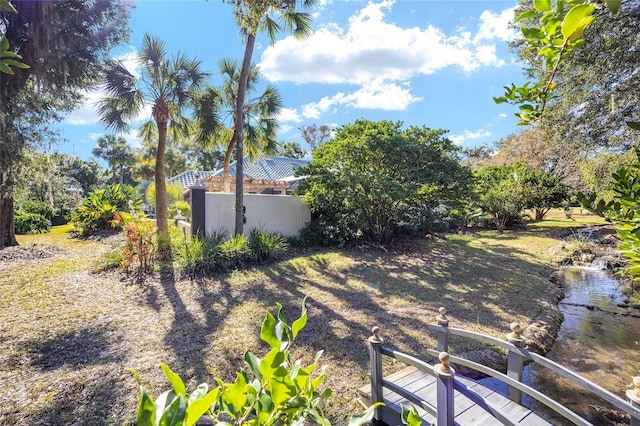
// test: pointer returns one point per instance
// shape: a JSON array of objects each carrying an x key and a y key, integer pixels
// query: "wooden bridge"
[{"x": 444, "y": 398}]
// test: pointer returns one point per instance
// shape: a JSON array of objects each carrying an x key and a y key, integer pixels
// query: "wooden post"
[
  {"x": 445, "y": 376},
  {"x": 634, "y": 398},
  {"x": 443, "y": 336},
  {"x": 198, "y": 213},
  {"x": 375, "y": 357},
  {"x": 515, "y": 362}
]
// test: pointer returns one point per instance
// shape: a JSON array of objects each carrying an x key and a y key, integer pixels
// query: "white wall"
[{"x": 282, "y": 214}]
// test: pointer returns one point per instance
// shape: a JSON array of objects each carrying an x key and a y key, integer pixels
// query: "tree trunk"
[
  {"x": 7, "y": 231},
  {"x": 237, "y": 133},
  {"x": 226, "y": 175},
  {"x": 121, "y": 174},
  {"x": 162, "y": 211}
]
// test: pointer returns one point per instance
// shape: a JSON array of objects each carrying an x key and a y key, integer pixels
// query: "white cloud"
[
  {"x": 496, "y": 26},
  {"x": 371, "y": 47},
  {"x": 376, "y": 94},
  {"x": 284, "y": 128},
  {"x": 502, "y": 115},
  {"x": 468, "y": 135},
  {"x": 290, "y": 115}
]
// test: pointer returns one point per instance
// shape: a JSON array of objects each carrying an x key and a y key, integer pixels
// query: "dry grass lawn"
[{"x": 69, "y": 336}]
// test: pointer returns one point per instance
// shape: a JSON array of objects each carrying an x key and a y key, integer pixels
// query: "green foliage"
[
  {"x": 623, "y": 211},
  {"x": 31, "y": 223},
  {"x": 504, "y": 191},
  {"x": 264, "y": 245},
  {"x": 214, "y": 253},
  {"x": 558, "y": 31},
  {"x": 8, "y": 58},
  {"x": 105, "y": 208},
  {"x": 139, "y": 251},
  {"x": 410, "y": 416},
  {"x": 373, "y": 176},
  {"x": 236, "y": 251},
  {"x": 37, "y": 207},
  {"x": 273, "y": 390},
  {"x": 174, "y": 194},
  {"x": 183, "y": 207}
]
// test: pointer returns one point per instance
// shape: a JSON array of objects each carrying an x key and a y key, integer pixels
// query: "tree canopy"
[
  {"x": 63, "y": 42},
  {"x": 373, "y": 176}
]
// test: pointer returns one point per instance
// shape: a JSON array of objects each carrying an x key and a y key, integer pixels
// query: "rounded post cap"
[
  {"x": 444, "y": 369},
  {"x": 634, "y": 394},
  {"x": 515, "y": 337},
  {"x": 376, "y": 338},
  {"x": 441, "y": 318}
]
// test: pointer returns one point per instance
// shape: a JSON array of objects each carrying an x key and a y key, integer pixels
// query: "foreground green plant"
[
  {"x": 110, "y": 207},
  {"x": 274, "y": 391}
]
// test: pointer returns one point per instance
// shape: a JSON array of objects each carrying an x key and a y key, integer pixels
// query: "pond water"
[{"x": 596, "y": 339}]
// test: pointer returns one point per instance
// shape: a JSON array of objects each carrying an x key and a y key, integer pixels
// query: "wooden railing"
[{"x": 516, "y": 356}]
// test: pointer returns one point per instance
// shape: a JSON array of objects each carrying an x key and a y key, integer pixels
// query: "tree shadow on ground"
[{"x": 73, "y": 349}]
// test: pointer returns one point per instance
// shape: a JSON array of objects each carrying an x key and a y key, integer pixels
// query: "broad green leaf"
[
  {"x": 268, "y": 331},
  {"x": 281, "y": 390},
  {"x": 254, "y": 363},
  {"x": 5, "y": 69},
  {"x": 526, "y": 15},
  {"x": 532, "y": 33},
  {"x": 410, "y": 416},
  {"x": 542, "y": 5},
  {"x": 366, "y": 415},
  {"x": 198, "y": 408},
  {"x": 146, "y": 409},
  {"x": 270, "y": 364},
  {"x": 5, "y": 6},
  {"x": 634, "y": 124},
  {"x": 300, "y": 322},
  {"x": 200, "y": 391},
  {"x": 175, "y": 413},
  {"x": 576, "y": 21},
  {"x": 164, "y": 400},
  {"x": 176, "y": 381},
  {"x": 235, "y": 393}
]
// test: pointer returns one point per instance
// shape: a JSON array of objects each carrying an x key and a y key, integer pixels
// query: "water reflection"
[{"x": 595, "y": 340}]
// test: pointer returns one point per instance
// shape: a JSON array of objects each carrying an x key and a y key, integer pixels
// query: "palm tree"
[
  {"x": 115, "y": 151},
  {"x": 259, "y": 124},
  {"x": 170, "y": 85},
  {"x": 253, "y": 17}
]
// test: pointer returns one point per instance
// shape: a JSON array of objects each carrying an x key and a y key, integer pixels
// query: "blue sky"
[{"x": 433, "y": 63}]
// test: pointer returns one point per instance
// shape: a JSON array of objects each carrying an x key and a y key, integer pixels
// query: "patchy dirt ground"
[{"x": 69, "y": 335}]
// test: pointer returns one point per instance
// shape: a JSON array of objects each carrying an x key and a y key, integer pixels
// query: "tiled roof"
[
  {"x": 188, "y": 179},
  {"x": 273, "y": 168}
]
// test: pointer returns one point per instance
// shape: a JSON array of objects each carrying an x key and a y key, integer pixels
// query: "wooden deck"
[{"x": 466, "y": 411}]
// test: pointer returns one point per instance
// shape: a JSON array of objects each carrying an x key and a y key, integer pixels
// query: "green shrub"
[
  {"x": 139, "y": 251},
  {"x": 180, "y": 206},
  {"x": 264, "y": 245},
  {"x": 274, "y": 390},
  {"x": 236, "y": 251},
  {"x": 31, "y": 223},
  {"x": 196, "y": 255},
  {"x": 37, "y": 207},
  {"x": 106, "y": 208}
]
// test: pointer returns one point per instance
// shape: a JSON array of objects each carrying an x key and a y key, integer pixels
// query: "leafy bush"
[
  {"x": 105, "y": 208},
  {"x": 180, "y": 206},
  {"x": 264, "y": 245},
  {"x": 236, "y": 251},
  {"x": 365, "y": 181},
  {"x": 273, "y": 390},
  {"x": 37, "y": 207},
  {"x": 31, "y": 223},
  {"x": 139, "y": 251}
]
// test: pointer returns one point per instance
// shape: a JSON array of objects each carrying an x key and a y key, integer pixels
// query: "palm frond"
[
  {"x": 152, "y": 55},
  {"x": 206, "y": 112},
  {"x": 148, "y": 132}
]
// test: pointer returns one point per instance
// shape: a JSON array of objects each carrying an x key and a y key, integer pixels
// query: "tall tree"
[
  {"x": 170, "y": 85},
  {"x": 315, "y": 135},
  {"x": 254, "y": 17},
  {"x": 291, "y": 150},
  {"x": 259, "y": 116},
  {"x": 115, "y": 151},
  {"x": 63, "y": 42}
]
